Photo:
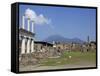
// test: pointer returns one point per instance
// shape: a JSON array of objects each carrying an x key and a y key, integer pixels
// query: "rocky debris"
[
  {"x": 36, "y": 57},
  {"x": 28, "y": 59}
]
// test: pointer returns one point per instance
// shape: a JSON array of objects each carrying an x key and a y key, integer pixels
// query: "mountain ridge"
[{"x": 61, "y": 39}]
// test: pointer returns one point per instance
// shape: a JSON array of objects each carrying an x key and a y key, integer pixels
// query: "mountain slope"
[{"x": 59, "y": 38}]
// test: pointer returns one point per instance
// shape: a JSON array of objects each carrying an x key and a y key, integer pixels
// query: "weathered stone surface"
[{"x": 28, "y": 59}]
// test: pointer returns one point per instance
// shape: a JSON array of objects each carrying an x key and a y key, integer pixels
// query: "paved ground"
[{"x": 68, "y": 66}]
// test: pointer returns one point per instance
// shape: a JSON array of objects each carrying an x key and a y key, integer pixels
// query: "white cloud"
[
  {"x": 38, "y": 19},
  {"x": 30, "y": 14}
]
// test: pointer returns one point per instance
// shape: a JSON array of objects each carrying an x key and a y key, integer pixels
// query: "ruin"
[{"x": 32, "y": 51}]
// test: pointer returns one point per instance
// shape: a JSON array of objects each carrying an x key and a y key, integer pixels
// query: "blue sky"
[{"x": 68, "y": 22}]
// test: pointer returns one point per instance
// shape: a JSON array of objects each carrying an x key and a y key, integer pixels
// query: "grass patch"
[{"x": 70, "y": 58}]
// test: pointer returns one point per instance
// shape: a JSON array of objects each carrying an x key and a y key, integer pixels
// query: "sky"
[{"x": 69, "y": 22}]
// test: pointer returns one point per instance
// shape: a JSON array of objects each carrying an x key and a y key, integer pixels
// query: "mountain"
[
  {"x": 77, "y": 40},
  {"x": 56, "y": 38},
  {"x": 61, "y": 39}
]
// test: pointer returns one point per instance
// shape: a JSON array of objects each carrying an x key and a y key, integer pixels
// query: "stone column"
[
  {"x": 28, "y": 24},
  {"x": 32, "y": 46},
  {"x": 23, "y": 22},
  {"x": 23, "y": 46}
]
